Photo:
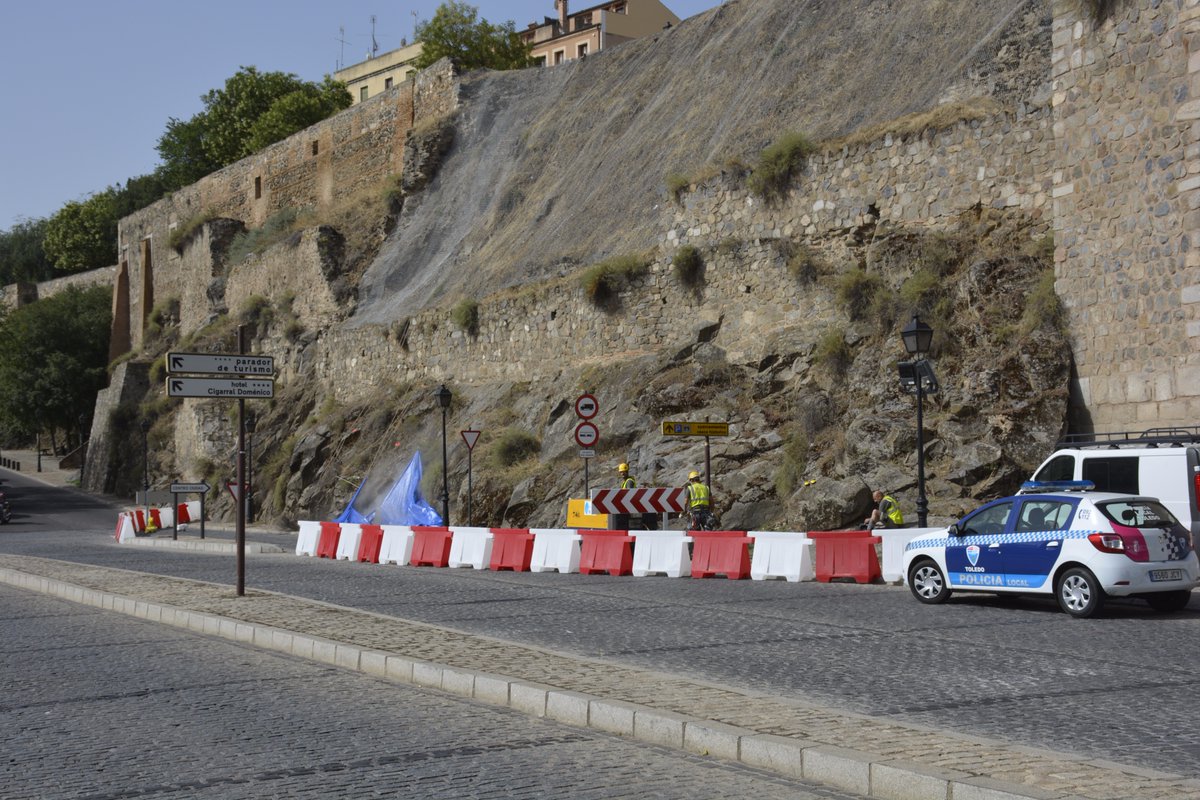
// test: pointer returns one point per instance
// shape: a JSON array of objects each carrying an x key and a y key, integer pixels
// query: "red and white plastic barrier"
[
  {"x": 555, "y": 549},
  {"x": 470, "y": 547},
  {"x": 661, "y": 553},
  {"x": 397, "y": 545}
]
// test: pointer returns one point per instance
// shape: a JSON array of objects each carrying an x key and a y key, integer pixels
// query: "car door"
[
  {"x": 975, "y": 557},
  {"x": 1035, "y": 545}
]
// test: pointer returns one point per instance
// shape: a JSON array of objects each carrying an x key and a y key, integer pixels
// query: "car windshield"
[{"x": 1138, "y": 514}]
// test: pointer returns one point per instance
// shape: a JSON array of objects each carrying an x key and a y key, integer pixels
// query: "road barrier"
[
  {"x": 720, "y": 553},
  {"x": 512, "y": 548},
  {"x": 372, "y": 542},
  {"x": 555, "y": 549},
  {"x": 470, "y": 547},
  {"x": 661, "y": 553},
  {"x": 397, "y": 545},
  {"x": 606, "y": 551},
  {"x": 781, "y": 554},
  {"x": 306, "y": 540},
  {"x": 431, "y": 546},
  {"x": 846, "y": 554},
  {"x": 348, "y": 539},
  {"x": 328, "y": 541}
]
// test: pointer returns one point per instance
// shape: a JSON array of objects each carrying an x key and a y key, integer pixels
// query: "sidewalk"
[{"x": 871, "y": 757}]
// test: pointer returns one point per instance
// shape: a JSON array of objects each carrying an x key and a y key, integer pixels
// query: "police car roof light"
[{"x": 1057, "y": 486}]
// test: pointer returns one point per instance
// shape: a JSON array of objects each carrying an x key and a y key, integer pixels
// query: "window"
[
  {"x": 362, "y": 94},
  {"x": 989, "y": 521},
  {"x": 1112, "y": 474},
  {"x": 1044, "y": 515},
  {"x": 559, "y": 55},
  {"x": 1060, "y": 468},
  {"x": 581, "y": 51},
  {"x": 387, "y": 83},
  {"x": 257, "y": 188},
  {"x": 540, "y": 61},
  {"x": 316, "y": 148}
]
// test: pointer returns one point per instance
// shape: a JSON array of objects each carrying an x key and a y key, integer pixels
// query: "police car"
[{"x": 1060, "y": 538}]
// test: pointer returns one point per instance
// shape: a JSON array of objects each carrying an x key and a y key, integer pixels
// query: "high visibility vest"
[
  {"x": 628, "y": 483},
  {"x": 891, "y": 509},
  {"x": 698, "y": 494}
]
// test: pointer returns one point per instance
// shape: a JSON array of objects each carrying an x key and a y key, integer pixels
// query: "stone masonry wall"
[
  {"x": 15, "y": 295},
  {"x": 535, "y": 332},
  {"x": 1127, "y": 208},
  {"x": 329, "y": 161}
]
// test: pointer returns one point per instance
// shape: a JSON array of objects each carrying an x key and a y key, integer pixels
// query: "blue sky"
[{"x": 90, "y": 84}]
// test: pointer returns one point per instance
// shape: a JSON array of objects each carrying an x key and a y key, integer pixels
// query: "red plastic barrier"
[
  {"x": 155, "y": 518},
  {"x": 606, "y": 551},
  {"x": 181, "y": 514},
  {"x": 512, "y": 548},
  {"x": 120, "y": 519},
  {"x": 720, "y": 553},
  {"x": 431, "y": 546},
  {"x": 846, "y": 554},
  {"x": 370, "y": 544},
  {"x": 139, "y": 521},
  {"x": 328, "y": 541}
]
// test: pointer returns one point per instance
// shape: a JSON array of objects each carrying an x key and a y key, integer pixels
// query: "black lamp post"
[
  {"x": 444, "y": 397},
  {"x": 250, "y": 423},
  {"x": 82, "y": 448},
  {"x": 917, "y": 338},
  {"x": 146, "y": 461}
]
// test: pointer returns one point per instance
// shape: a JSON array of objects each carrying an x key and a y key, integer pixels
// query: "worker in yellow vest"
[
  {"x": 700, "y": 503},
  {"x": 886, "y": 513}
]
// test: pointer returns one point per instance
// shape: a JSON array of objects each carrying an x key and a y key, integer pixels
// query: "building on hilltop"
[
  {"x": 575, "y": 35},
  {"x": 379, "y": 73}
]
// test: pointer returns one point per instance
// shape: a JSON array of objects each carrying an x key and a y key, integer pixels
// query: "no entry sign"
[{"x": 586, "y": 434}]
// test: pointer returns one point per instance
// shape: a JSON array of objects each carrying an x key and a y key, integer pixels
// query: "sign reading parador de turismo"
[{"x": 229, "y": 364}]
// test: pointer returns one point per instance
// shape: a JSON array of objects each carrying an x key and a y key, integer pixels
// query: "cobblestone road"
[{"x": 98, "y": 705}]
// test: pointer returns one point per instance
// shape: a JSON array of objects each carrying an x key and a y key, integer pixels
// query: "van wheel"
[
  {"x": 1169, "y": 601},
  {"x": 927, "y": 582},
  {"x": 1079, "y": 593}
]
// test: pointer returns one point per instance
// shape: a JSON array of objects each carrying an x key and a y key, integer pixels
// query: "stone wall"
[
  {"x": 319, "y": 166},
  {"x": 15, "y": 295},
  {"x": 1126, "y": 208},
  {"x": 533, "y": 333}
]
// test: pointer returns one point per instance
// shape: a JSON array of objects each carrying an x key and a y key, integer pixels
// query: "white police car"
[{"x": 1059, "y": 538}]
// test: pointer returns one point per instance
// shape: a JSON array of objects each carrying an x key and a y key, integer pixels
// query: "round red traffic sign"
[
  {"x": 586, "y": 434},
  {"x": 586, "y": 406}
]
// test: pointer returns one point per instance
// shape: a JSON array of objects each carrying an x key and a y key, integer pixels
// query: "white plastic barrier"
[
  {"x": 166, "y": 516},
  {"x": 555, "y": 549},
  {"x": 661, "y": 552},
  {"x": 193, "y": 510},
  {"x": 306, "y": 540},
  {"x": 397, "y": 545},
  {"x": 781, "y": 554},
  {"x": 894, "y": 540},
  {"x": 125, "y": 530},
  {"x": 348, "y": 540},
  {"x": 470, "y": 547}
]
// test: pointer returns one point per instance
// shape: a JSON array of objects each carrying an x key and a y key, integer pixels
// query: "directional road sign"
[
  {"x": 695, "y": 428},
  {"x": 217, "y": 387},
  {"x": 187, "y": 488},
  {"x": 220, "y": 364},
  {"x": 586, "y": 434},
  {"x": 639, "y": 501},
  {"x": 470, "y": 437}
]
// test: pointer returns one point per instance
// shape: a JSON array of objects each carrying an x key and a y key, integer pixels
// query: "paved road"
[
  {"x": 100, "y": 705},
  {"x": 1124, "y": 687}
]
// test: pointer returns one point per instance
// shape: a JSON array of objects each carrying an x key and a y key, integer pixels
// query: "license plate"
[{"x": 1166, "y": 574}]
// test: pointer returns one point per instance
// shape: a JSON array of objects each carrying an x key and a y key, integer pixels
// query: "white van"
[{"x": 1161, "y": 462}]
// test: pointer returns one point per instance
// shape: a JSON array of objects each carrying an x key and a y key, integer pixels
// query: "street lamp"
[
  {"x": 917, "y": 376},
  {"x": 250, "y": 423},
  {"x": 82, "y": 448},
  {"x": 444, "y": 397}
]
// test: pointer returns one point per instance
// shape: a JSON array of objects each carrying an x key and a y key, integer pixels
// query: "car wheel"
[
  {"x": 1169, "y": 601},
  {"x": 927, "y": 583},
  {"x": 1079, "y": 593}
]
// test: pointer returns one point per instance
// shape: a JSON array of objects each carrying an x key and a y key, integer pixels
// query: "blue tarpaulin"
[
  {"x": 351, "y": 514},
  {"x": 404, "y": 504}
]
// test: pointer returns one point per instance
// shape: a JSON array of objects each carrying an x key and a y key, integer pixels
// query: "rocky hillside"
[
  {"x": 548, "y": 171},
  {"x": 553, "y": 169}
]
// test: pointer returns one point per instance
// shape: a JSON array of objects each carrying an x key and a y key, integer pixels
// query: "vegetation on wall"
[
  {"x": 689, "y": 266},
  {"x": 1100, "y": 10},
  {"x": 604, "y": 281},
  {"x": 465, "y": 315},
  {"x": 778, "y": 163}
]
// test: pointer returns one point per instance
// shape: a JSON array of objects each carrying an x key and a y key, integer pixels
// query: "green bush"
[
  {"x": 677, "y": 184},
  {"x": 466, "y": 316},
  {"x": 277, "y": 228},
  {"x": 858, "y": 291},
  {"x": 689, "y": 266},
  {"x": 778, "y": 163},
  {"x": 164, "y": 316},
  {"x": 792, "y": 464},
  {"x": 1043, "y": 306},
  {"x": 604, "y": 281},
  {"x": 184, "y": 233},
  {"x": 512, "y": 446},
  {"x": 804, "y": 264},
  {"x": 832, "y": 353},
  {"x": 257, "y": 311},
  {"x": 1100, "y": 10}
]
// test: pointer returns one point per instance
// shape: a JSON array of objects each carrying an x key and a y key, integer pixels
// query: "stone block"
[
  {"x": 492, "y": 689},
  {"x": 905, "y": 780},
  {"x": 460, "y": 682},
  {"x": 659, "y": 727},
  {"x": 373, "y": 662},
  {"x": 714, "y": 739},
  {"x": 568, "y": 707},
  {"x": 426, "y": 674},
  {"x": 612, "y": 716},
  {"x": 988, "y": 789},
  {"x": 528, "y": 697},
  {"x": 776, "y": 753},
  {"x": 839, "y": 767},
  {"x": 399, "y": 668}
]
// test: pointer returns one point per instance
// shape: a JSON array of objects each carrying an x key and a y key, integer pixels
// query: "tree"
[
  {"x": 296, "y": 111},
  {"x": 21, "y": 255},
  {"x": 254, "y": 109},
  {"x": 83, "y": 234},
  {"x": 53, "y": 359},
  {"x": 457, "y": 33}
]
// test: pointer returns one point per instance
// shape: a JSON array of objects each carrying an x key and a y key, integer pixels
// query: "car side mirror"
[{"x": 954, "y": 530}]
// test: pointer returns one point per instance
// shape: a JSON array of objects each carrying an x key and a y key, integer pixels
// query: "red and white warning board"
[{"x": 639, "y": 501}]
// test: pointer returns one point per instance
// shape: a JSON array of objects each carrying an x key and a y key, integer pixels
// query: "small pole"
[
  {"x": 470, "y": 515},
  {"x": 240, "y": 527},
  {"x": 587, "y": 492},
  {"x": 174, "y": 516}
]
